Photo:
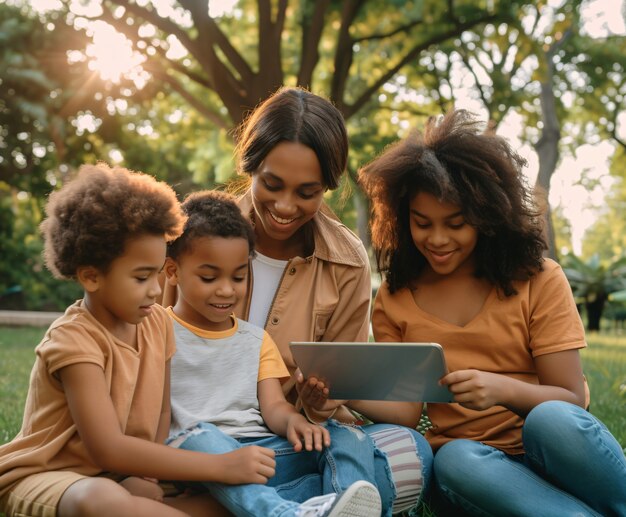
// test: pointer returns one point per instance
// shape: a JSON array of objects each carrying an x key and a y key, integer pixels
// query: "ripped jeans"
[{"x": 299, "y": 476}]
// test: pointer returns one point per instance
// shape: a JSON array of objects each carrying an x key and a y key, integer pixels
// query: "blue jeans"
[
  {"x": 299, "y": 475},
  {"x": 572, "y": 466}
]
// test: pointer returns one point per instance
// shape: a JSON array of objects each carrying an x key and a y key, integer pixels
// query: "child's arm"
[
  {"x": 560, "y": 378},
  {"x": 283, "y": 419},
  {"x": 97, "y": 423}
]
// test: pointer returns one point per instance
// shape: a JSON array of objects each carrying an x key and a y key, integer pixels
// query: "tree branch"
[
  {"x": 410, "y": 56},
  {"x": 403, "y": 28},
  {"x": 195, "y": 77},
  {"x": 164, "y": 24},
  {"x": 200, "y": 15},
  {"x": 312, "y": 27},
  {"x": 344, "y": 52},
  {"x": 191, "y": 99}
]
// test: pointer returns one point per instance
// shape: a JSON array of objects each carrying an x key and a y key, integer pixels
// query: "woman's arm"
[{"x": 110, "y": 449}]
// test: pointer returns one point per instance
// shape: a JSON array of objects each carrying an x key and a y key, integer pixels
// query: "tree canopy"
[{"x": 197, "y": 72}]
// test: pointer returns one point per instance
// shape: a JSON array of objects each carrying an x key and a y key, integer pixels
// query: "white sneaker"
[{"x": 360, "y": 499}]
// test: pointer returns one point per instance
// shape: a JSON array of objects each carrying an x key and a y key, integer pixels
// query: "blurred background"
[{"x": 160, "y": 85}]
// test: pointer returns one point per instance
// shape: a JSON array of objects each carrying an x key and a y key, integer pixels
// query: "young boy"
[
  {"x": 225, "y": 385},
  {"x": 98, "y": 400}
]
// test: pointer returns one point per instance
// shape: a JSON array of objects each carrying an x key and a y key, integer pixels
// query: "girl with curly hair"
[{"x": 459, "y": 243}]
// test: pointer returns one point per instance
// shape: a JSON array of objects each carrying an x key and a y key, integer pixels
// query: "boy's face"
[
  {"x": 126, "y": 292},
  {"x": 211, "y": 279}
]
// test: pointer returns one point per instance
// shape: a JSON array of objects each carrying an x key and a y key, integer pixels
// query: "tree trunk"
[
  {"x": 547, "y": 148},
  {"x": 594, "y": 312}
]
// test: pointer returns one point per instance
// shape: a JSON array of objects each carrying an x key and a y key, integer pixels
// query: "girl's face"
[
  {"x": 287, "y": 191},
  {"x": 441, "y": 234}
]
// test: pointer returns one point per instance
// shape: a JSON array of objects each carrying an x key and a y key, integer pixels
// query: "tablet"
[{"x": 376, "y": 371}]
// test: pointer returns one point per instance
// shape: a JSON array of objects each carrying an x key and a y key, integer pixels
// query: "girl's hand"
[
  {"x": 474, "y": 389},
  {"x": 301, "y": 432},
  {"x": 249, "y": 464}
]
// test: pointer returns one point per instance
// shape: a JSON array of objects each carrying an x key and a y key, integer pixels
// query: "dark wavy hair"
[
  {"x": 90, "y": 219},
  {"x": 457, "y": 163},
  {"x": 294, "y": 115},
  {"x": 211, "y": 213}
]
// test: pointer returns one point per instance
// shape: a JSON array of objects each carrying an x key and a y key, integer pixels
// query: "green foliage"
[
  {"x": 592, "y": 282},
  {"x": 562, "y": 231},
  {"x": 607, "y": 236},
  {"x": 594, "y": 278}
]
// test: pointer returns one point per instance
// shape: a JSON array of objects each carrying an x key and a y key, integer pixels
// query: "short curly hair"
[
  {"x": 457, "y": 163},
  {"x": 211, "y": 213},
  {"x": 90, "y": 218}
]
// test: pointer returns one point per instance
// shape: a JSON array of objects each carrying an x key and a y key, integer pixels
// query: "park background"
[{"x": 160, "y": 86}]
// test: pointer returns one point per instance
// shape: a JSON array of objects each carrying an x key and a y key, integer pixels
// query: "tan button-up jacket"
[{"x": 322, "y": 297}]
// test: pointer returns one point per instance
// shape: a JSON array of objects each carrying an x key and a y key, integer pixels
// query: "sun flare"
[{"x": 111, "y": 54}]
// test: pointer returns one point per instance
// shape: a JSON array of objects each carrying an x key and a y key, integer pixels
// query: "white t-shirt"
[{"x": 267, "y": 273}]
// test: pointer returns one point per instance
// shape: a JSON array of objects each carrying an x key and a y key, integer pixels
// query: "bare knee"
[{"x": 95, "y": 497}]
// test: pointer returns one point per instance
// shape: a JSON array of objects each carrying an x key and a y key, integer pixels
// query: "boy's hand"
[
  {"x": 250, "y": 464},
  {"x": 301, "y": 432}
]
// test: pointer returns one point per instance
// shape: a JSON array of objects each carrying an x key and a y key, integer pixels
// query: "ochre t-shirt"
[
  {"x": 48, "y": 439},
  {"x": 504, "y": 338}
]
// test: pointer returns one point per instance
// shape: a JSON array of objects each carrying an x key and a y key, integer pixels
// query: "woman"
[{"x": 310, "y": 279}]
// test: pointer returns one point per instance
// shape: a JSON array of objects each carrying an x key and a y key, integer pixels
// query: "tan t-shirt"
[
  {"x": 48, "y": 439},
  {"x": 503, "y": 338}
]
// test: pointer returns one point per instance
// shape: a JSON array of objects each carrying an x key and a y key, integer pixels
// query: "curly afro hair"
[
  {"x": 455, "y": 162},
  {"x": 211, "y": 213},
  {"x": 92, "y": 216}
]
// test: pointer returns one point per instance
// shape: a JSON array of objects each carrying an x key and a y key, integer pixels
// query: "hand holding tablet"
[{"x": 376, "y": 371}]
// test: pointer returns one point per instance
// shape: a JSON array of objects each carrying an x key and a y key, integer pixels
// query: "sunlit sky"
[{"x": 111, "y": 55}]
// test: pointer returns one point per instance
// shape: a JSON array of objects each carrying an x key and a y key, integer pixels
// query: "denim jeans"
[
  {"x": 572, "y": 466},
  {"x": 299, "y": 475}
]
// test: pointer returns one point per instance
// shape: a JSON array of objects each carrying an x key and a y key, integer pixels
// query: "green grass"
[
  {"x": 604, "y": 364},
  {"x": 17, "y": 357}
]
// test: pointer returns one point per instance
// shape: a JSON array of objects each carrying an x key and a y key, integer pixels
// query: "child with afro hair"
[{"x": 97, "y": 411}]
